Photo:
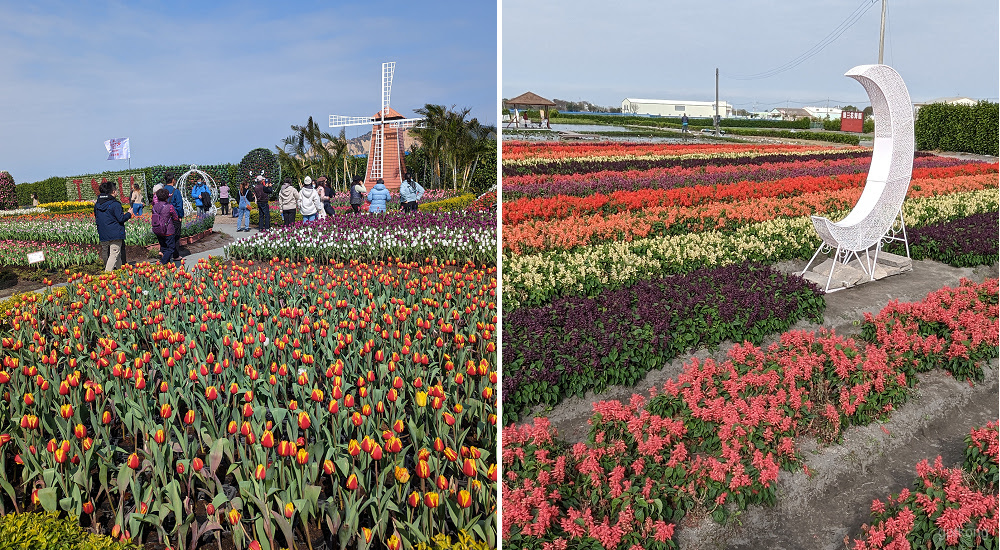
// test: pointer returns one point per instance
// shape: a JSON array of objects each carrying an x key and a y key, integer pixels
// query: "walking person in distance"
[
  {"x": 178, "y": 203},
  {"x": 224, "y": 198},
  {"x": 110, "y": 216},
  {"x": 263, "y": 193}
]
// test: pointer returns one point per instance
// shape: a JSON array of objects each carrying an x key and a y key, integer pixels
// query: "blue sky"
[
  {"x": 596, "y": 51},
  {"x": 206, "y": 82}
]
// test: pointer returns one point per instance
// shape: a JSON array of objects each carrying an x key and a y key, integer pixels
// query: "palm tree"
[
  {"x": 431, "y": 136},
  {"x": 311, "y": 151}
]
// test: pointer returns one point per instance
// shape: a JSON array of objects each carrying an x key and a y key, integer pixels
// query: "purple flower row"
[
  {"x": 965, "y": 242},
  {"x": 578, "y": 344},
  {"x": 607, "y": 183}
]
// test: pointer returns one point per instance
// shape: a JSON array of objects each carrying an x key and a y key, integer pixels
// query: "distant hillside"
[{"x": 360, "y": 144}]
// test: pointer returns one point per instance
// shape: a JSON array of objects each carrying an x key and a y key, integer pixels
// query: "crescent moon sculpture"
[{"x": 872, "y": 221}]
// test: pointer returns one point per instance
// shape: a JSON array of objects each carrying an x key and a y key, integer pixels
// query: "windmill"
[{"x": 385, "y": 155}]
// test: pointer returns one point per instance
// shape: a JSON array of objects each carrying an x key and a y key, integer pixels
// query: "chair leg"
[
  {"x": 811, "y": 260},
  {"x": 836, "y": 257}
]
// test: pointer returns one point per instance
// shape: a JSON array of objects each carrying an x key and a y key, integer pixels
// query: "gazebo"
[{"x": 527, "y": 100}]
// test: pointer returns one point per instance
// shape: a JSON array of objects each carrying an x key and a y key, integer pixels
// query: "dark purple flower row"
[
  {"x": 578, "y": 344},
  {"x": 586, "y": 166},
  {"x": 608, "y": 183},
  {"x": 965, "y": 242}
]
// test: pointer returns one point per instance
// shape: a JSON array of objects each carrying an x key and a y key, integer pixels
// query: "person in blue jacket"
[
  {"x": 411, "y": 192},
  {"x": 178, "y": 202},
  {"x": 378, "y": 197},
  {"x": 110, "y": 218},
  {"x": 202, "y": 195}
]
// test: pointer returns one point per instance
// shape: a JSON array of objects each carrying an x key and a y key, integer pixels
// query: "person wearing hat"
[
  {"x": 378, "y": 197},
  {"x": 288, "y": 201},
  {"x": 357, "y": 193},
  {"x": 309, "y": 203},
  {"x": 262, "y": 191}
]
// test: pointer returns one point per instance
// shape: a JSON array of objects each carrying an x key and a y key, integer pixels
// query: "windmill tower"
[{"x": 385, "y": 155}]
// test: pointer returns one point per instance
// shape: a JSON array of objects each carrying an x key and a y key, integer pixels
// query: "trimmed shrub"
[
  {"x": 849, "y": 139},
  {"x": 256, "y": 162},
  {"x": 963, "y": 128},
  {"x": 8, "y": 194},
  {"x": 48, "y": 190},
  {"x": 85, "y": 187},
  {"x": 45, "y": 531}
]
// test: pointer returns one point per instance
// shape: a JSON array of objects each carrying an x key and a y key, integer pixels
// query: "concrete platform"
[{"x": 856, "y": 273}]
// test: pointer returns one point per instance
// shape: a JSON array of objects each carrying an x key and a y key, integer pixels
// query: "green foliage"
[
  {"x": 83, "y": 187},
  {"x": 46, "y": 531},
  {"x": 8, "y": 196},
  {"x": 48, "y": 190},
  {"x": 220, "y": 173},
  {"x": 448, "y": 205},
  {"x": 964, "y": 128},
  {"x": 485, "y": 175},
  {"x": 464, "y": 541},
  {"x": 849, "y": 139},
  {"x": 256, "y": 162},
  {"x": 276, "y": 218}
]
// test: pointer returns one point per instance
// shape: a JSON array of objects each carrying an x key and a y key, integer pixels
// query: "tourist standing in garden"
[
  {"x": 224, "y": 198},
  {"x": 262, "y": 191},
  {"x": 288, "y": 201},
  {"x": 178, "y": 203},
  {"x": 378, "y": 197},
  {"x": 136, "y": 201},
  {"x": 110, "y": 216},
  {"x": 410, "y": 192},
  {"x": 202, "y": 196},
  {"x": 357, "y": 193},
  {"x": 163, "y": 218},
  {"x": 309, "y": 202},
  {"x": 684, "y": 123},
  {"x": 34, "y": 200},
  {"x": 243, "y": 201},
  {"x": 325, "y": 194}
]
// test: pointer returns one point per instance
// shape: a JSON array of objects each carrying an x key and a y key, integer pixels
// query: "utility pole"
[
  {"x": 881, "y": 34},
  {"x": 716, "y": 101}
]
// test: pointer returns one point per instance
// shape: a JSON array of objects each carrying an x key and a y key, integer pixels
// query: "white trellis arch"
[
  {"x": 877, "y": 218},
  {"x": 185, "y": 193}
]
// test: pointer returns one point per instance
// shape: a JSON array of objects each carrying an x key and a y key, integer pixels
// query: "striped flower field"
[{"x": 619, "y": 257}]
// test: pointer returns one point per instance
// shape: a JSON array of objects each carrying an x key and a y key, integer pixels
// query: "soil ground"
[{"x": 818, "y": 511}]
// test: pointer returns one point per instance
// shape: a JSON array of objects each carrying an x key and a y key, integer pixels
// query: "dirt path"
[{"x": 818, "y": 511}]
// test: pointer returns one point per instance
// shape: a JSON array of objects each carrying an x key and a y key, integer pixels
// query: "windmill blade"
[
  {"x": 405, "y": 123},
  {"x": 387, "y": 69},
  {"x": 337, "y": 120}
]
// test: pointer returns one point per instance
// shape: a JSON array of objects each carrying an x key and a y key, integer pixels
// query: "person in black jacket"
[
  {"x": 110, "y": 218},
  {"x": 263, "y": 193}
]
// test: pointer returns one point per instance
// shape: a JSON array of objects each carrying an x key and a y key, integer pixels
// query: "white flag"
[{"x": 117, "y": 148}]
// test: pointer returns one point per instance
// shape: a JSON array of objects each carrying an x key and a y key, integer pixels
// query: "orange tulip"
[
  {"x": 133, "y": 461},
  {"x": 423, "y": 469},
  {"x": 267, "y": 439},
  {"x": 66, "y": 411},
  {"x": 289, "y": 510},
  {"x": 469, "y": 467},
  {"x": 413, "y": 500},
  {"x": 304, "y": 421},
  {"x": 464, "y": 499},
  {"x": 165, "y": 411},
  {"x": 431, "y": 500},
  {"x": 352, "y": 482}
]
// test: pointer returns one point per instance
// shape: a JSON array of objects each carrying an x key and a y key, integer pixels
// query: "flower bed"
[
  {"x": 609, "y": 181},
  {"x": 944, "y": 507},
  {"x": 532, "y": 279},
  {"x": 718, "y": 434},
  {"x": 80, "y": 228},
  {"x": 575, "y": 345},
  {"x": 462, "y": 236},
  {"x": 56, "y": 254},
  {"x": 964, "y": 242},
  {"x": 259, "y": 400}
]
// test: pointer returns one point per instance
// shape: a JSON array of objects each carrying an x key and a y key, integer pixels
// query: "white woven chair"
[{"x": 872, "y": 221}]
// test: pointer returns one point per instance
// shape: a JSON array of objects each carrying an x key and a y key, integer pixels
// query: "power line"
[{"x": 844, "y": 25}]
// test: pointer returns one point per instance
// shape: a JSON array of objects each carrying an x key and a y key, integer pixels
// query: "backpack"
[{"x": 159, "y": 221}]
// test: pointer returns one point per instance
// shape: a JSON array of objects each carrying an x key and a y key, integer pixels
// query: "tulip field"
[
  {"x": 619, "y": 257},
  {"x": 263, "y": 404},
  {"x": 455, "y": 236}
]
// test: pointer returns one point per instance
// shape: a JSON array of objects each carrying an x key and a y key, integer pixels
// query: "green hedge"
[
  {"x": 849, "y": 139},
  {"x": 49, "y": 190},
  {"x": 675, "y": 122},
  {"x": 964, "y": 128},
  {"x": 89, "y": 193},
  {"x": 45, "y": 531}
]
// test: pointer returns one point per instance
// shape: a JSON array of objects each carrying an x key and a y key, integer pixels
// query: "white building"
[
  {"x": 675, "y": 108},
  {"x": 824, "y": 113}
]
